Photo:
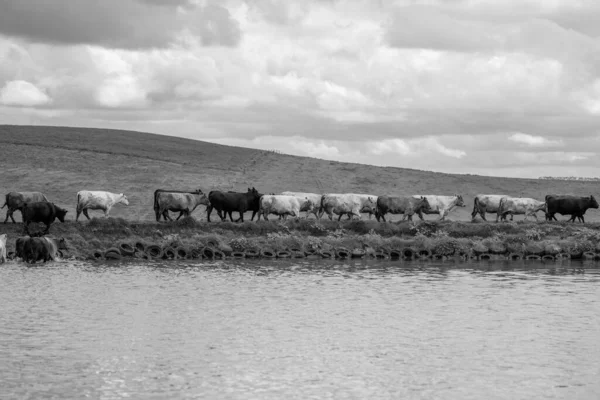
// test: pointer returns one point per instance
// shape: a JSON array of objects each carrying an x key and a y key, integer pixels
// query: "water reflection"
[{"x": 300, "y": 329}]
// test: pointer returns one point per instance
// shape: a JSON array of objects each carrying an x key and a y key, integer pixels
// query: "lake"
[{"x": 300, "y": 330}]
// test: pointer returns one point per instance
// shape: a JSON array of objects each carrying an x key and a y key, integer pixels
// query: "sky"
[{"x": 487, "y": 87}]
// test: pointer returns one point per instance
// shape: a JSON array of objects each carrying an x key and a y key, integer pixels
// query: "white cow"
[
  {"x": 486, "y": 203},
  {"x": 3, "y": 248},
  {"x": 441, "y": 205},
  {"x": 347, "y": 203},
  {"x": 520, "y": 205},
  {"x": 279, "y": 205},
  {"x": 98, "y": 200},
  {"x": 311, "y": 207}
]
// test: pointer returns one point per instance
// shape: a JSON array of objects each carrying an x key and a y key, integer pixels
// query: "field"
[{"x": 60, "y": 161}]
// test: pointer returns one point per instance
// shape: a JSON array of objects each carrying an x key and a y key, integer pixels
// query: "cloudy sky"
[{"x": 492, "y": 87}]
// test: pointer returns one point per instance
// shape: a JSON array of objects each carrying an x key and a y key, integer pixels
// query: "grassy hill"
[{"x": 60, "y": 161}]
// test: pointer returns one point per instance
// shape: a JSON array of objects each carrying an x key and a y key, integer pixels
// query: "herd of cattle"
[{"x": 35, "y": 206}]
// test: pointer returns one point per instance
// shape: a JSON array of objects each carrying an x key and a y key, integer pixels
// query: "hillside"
[{"x": 60, "y": 161}]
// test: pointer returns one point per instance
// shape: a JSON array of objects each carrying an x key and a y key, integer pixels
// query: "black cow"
[
  {"x": 575, "y": 206},
  {"x": 406, "y": 205},
  {"x": 42, "y": 212},
  {"x": 226, "y": 203},
  {"x": 34, "y": 249}
]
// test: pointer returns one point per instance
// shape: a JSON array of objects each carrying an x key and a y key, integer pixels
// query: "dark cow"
[
  {"x": 20, "y": 246},
  {"x": 35, "y": 249},
  {"x": 165, "y": 214},
  {"x": 406, "y": 205},
  {"x": 15, "y": 201},
  {"x": 226, "y": 203},
  {"x": 575, "y": 206},
  {"x": 42, "y": 212}
]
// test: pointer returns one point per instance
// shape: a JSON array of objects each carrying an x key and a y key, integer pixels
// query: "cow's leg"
[
  {"x": 78, "y": 211},
  {"x": 443, "y": 214},
  {"x": 409, "y": 216},
  {"x": 420, "y": 214},
  {"x": 264, "y": 215},
  {"x": 482, "y": 213},
  {"x": 581, "y": 218},
  {"x": 253, "y": 214},
  {"x": 208, "y": 211},
  {"x": 106, "y": 211},
  {"x": 382, "y": 215},
  {"x": 241, "y": 218},
  {"x": 85, "y": 212}
]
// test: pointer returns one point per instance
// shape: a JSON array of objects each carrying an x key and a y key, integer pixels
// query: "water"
[{"x": 300, "y": 330}]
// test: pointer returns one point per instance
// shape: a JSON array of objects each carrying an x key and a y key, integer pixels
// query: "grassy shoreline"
[{"x": 440, "y": 239}]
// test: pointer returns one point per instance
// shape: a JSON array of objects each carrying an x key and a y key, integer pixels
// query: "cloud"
[
  {"x": 22, "y": 94},
  {"x": 129, "y": 24},
  {"x": 535, "y": 141},
  {"x": 437, "y": 85}
]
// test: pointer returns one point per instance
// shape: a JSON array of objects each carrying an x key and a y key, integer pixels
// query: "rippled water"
[{"x": 300, "y": 330}]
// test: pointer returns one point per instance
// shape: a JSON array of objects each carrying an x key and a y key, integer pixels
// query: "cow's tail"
[
  {"x": 5, "y": 202},
  {"x": 501, "y": 207},
  {"x": 475, "y": 207}
]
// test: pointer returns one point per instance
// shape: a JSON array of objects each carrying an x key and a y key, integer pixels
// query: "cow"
[
  {"x": 519, "y": 205},
  {"x": 406, "y": 205},
  {"x": 486, "y": 203},
  {"x": 35, "y": 249},
  {"x": 15, "y": 200},
  {"x": 42, "y": 212},
  {"x": 279, "y": 205},
  {"x": 98, "y": 200},
  {"x": 228, "y": 202},
  {"x": 165, "y": 215},
  {"x": 54, "y": 247},
  {"x": 346, "y": 203},
  {"x": 575, "y": 206},
  {"x": 3, "y": 248},
  {"x": 20, "y": 245},
  {"x": 184, "y": 202},
  {"x": 441, "y": 205},
  {"x": 311, "y": 207}
]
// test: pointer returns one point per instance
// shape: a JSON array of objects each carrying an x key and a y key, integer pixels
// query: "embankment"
[{"x": 189, "y": 238}]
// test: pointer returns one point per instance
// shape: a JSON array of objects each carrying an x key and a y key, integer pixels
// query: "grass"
[{"x": 60, "y": 161}]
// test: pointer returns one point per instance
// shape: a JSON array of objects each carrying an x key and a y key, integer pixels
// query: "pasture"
[{"x": 60, "y": 161}]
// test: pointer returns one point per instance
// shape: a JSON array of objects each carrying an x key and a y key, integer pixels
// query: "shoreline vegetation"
[{"x": 116, "y": 238}]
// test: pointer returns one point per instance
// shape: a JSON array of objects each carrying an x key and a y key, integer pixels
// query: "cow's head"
[
  {"x": 60, "y": 213},
  {"x": 459, "y": 201},
  {"x": 425, "y": 204},
  {"x": 124, "y": 199},
  {"x": 593, "y": 202},
  {"x": 369, "y": 206},
  {"x": 203, "y": 199}
]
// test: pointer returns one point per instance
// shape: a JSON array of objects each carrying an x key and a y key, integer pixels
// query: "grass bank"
[{"x": 443, "y": 239}]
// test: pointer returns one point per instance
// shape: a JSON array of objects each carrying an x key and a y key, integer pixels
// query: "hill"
[{"x": 60, "y": 161}]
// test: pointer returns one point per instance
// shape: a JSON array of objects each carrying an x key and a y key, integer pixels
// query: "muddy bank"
[{"x": 115, "y": 238}]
